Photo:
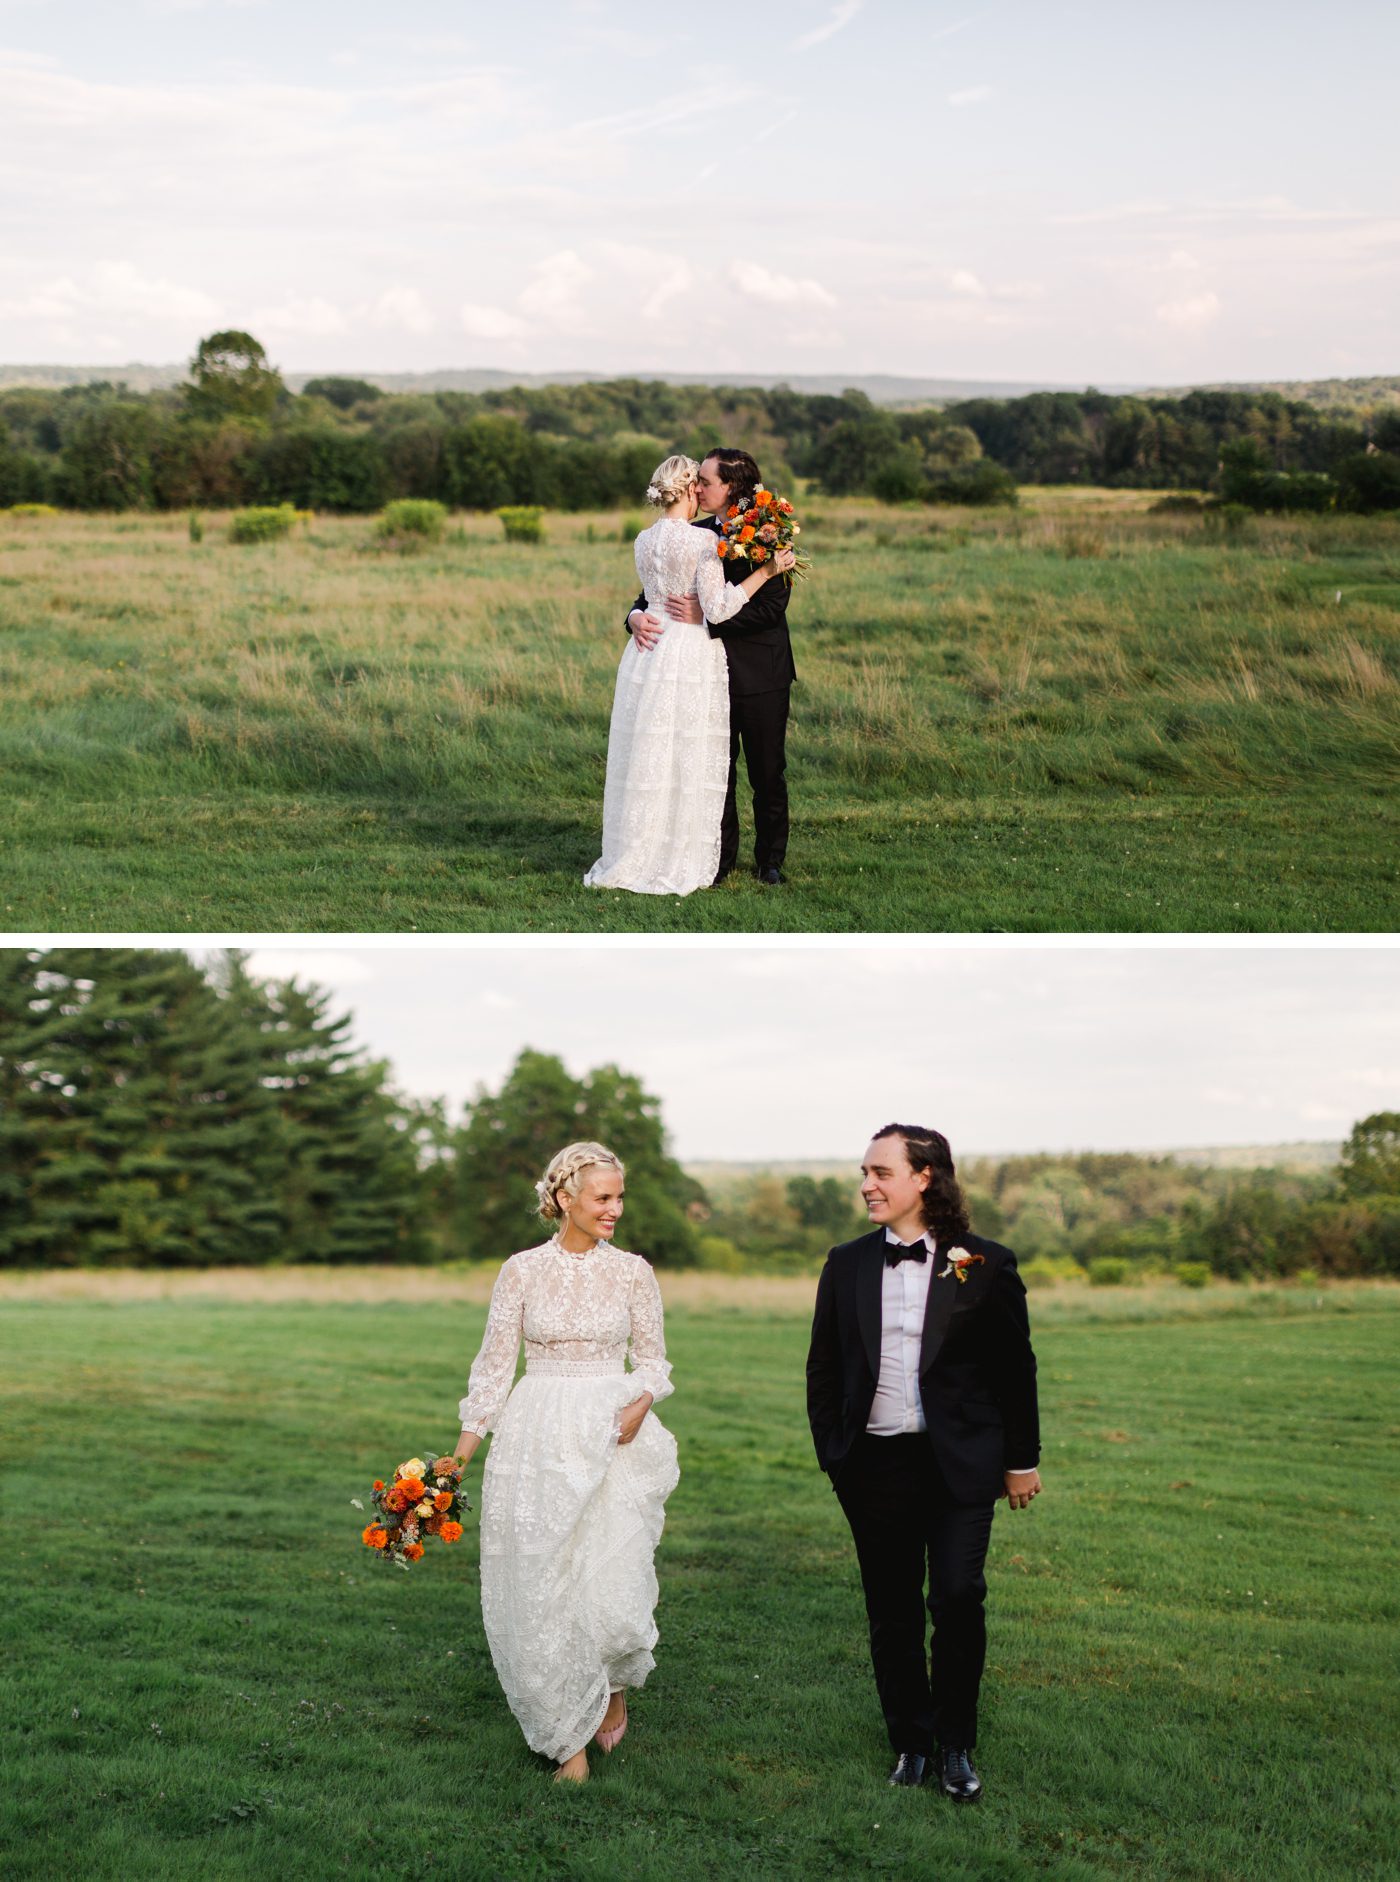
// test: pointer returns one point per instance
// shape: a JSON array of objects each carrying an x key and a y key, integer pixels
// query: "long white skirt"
[
  {"x": 668, "y": 766},
  {"x": 570, "y": 1521}
]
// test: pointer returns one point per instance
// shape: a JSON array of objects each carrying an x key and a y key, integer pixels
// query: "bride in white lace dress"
[
  {"x": 668, "y": 745},
  {"x": 579, "y": 1469}
]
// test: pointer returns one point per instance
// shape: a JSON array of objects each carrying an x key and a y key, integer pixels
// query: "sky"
[
  {"x": 1019, "y": 190},
  {"x": 798, "y": 1053}
]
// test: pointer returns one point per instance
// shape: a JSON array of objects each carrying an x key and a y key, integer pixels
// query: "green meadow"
[
  {"x": 1078, "y": 716},
  {"x": 1191, "y": 1668}
]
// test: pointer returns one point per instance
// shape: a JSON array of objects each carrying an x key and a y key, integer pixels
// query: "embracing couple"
[
  {"x": 922, "y": 1402},
  {"x": 708, "y": 669}
]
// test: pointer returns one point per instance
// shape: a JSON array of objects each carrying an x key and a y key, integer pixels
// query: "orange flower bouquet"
[
  {"x": 425, "y": 1499},
  {"x": 755, "y": 528}
]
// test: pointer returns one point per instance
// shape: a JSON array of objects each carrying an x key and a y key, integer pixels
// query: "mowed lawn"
[
  {"x": 1192, "y": 1661},
  {"x": 1078, "y": 716}
]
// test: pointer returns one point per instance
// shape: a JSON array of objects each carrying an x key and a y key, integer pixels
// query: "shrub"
[
  {"x": 1193, "y": 1273},
  {"x": 1180, "y": 503},
  {"x": 981, "y": 482},
  {"x": 196, "y": 526},
  {"x": 263, "y": 523},
  {"x": 1306, "y": 1277},
  {"x": 32, "y": 509},
  {"x": 1230, "y": 520},
  {"x": 630, "y": 528},
  {"x": 1107, "y": 1271},
  {"x": 720, "y": 1256},
  {"x": 522, "y": 522},
  {"x": 412, "y": 520},
  {"x": 1051, "y": 1268}
]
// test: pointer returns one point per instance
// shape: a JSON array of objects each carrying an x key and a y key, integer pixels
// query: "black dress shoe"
[
  {"x": 909, "y": 1769},
  {"x": 770, "y": 877},
  {"x": 956, "y": 1777},
  {"x": 725, "y": 869}
]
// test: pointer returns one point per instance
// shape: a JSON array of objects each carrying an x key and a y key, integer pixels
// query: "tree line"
[
  {"x": 235, "y": 434},
  {"x": 158, "y": 1111}
]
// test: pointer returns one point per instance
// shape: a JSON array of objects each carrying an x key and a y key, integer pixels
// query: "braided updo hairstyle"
[
  {"x": 945, "y": 1211},
  {"x": 670, "y": 481},
  {"x": 567, "y": 1169}
]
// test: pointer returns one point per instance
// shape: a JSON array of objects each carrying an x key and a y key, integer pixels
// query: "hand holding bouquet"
[
  {"x": 755, "y": 528},
  {"x": 424, "y": 1499}
]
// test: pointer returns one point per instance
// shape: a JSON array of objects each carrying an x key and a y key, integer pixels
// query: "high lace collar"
[{"x": 572, "y": 1254}]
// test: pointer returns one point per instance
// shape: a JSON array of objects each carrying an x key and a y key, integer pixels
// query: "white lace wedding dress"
[
  {"x": 570, "y": 1519},
  {"x": 668, "y": 745}
]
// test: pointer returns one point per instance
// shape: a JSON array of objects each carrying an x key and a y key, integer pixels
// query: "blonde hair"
[
  {"x": 670, "y": 480},
  {"x": 567, "y": 1169}
]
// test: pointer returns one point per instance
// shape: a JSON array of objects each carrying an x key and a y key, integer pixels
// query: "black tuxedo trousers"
[
  {"x": 908, "y": 1530},
  {"x": 758, "y": 723}
]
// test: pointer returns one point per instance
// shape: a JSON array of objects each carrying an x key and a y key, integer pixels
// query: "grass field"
[
  {"x": 1191, "y": 1672},
  {"x": 1076, "y": 717}
]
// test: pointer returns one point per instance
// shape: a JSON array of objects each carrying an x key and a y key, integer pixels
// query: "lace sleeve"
[
  {"x": 493, "y": 1369},
  {"x": 719, "y": 599},
  {"x": 650, "y": 1366}
]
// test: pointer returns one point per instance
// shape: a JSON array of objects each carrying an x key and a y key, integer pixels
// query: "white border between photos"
[{"x": 622, "y": 943}]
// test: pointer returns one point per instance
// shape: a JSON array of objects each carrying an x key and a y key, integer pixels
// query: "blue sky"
[
  {"x": 799, "y": 1052},
  {"x": 1019, "y": 190}
]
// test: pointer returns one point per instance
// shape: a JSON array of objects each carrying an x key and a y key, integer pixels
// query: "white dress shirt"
[{"x": 898, "y": 1405}]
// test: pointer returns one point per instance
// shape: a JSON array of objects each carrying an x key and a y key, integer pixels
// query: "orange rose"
[
  {"x": 443, "y": 1500},
  {"x": 762, "y": 496},
  {"x": 450, "y": 1532},
  {"x": 412, "y": 1487},
  {"x": 413, "y": 1550},
  {"x": 746, "y": 534},
  {"x": 374, "y": 1536}
]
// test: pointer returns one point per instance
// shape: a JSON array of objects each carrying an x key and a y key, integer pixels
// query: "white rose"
[{"x": 413, "y": 1468}]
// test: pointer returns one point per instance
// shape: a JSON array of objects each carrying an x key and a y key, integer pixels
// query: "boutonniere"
[{"x": 959, "y": 1261}]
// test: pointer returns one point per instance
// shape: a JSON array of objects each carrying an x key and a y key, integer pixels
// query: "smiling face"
[
  {"x": 892, "y": 1190},
  {"x": 713, "y": 493},
  {"x": 595, "y": 1209}
]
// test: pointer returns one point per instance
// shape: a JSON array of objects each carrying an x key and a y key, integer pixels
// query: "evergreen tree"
[
  {"x": 349, "y": 1187},
  {"x": 133, "y": 1128}
]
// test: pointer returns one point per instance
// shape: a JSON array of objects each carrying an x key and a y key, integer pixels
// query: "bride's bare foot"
[
  {"x": 573, "y": 1770},
  {"x": 614, "y": 1721}
]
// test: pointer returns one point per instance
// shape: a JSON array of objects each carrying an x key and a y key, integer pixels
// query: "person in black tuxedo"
[
  {"x": 761, "y": 674},
  {"x": 922, "y": 1401}
]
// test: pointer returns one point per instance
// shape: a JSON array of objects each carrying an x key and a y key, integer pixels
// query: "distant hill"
[
  {"x": 1304, "y": 1157},
  {"x": 880, "y": 388}
]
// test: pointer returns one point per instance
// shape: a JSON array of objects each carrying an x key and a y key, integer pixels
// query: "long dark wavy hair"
[
  {"x": 737, "y": 469},
  {"x": 945, "y": 1211}
]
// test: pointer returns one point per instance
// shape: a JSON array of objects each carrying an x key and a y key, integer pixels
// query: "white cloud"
[
  {"x": 314, "y": 318},
  {"x": 973, "y": 95},
  {"x": 552, "y": 297},
  {"x": 489, "y": 323},
  {"x": 115, "y": 288},
  {"x": 677, "y": 282},
  {"x": 779, "y": 290},
  {"x": 1193, "y": 314},
  {"x": 841, "y": 15},
  {"x": 964, "y": 281},
  {"x": 340, "y": 966},
  {"x": 404, "y": 308}
]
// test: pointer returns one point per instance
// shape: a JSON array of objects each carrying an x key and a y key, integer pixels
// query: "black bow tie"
[{"x": 895, "y": 1252}]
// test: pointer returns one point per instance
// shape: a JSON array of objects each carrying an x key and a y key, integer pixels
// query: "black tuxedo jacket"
[
  {"x": 976, "y": 1367},
  {"x": 756, "y": 639}
]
